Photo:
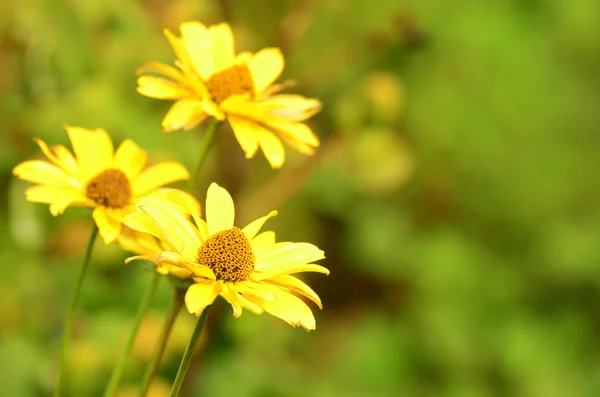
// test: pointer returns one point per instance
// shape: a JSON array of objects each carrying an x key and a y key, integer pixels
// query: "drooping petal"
[
  {"x": 289, "y": 308},
  {"x": 198, "y": 44},
  {"x": 199, "y": 295},
  {"x": 220, "y": 210},
  {"x": 185, "y": 113},
  {"x": 137, "y": 242},
  {"x": 59, "y": 197},
  {"x": 38, "y": 171},
  {"x": 130, "y": 159},
  {"x": 176, "y": 228},
  {"x": 158, "y": 175},
  {"x": 232, "y": 297},
  {"x": 266, "y": 66},
  {"x": 222, "y": 46},
  {"x": 244, "y": 133},
  {"x": 295, "y": 285},
  {"x": 271, "y": 147},
  {"x": 161, "y": 88},
  {"x": 108, "y": 227},
  {"x": 295, "y": 132},
  {"x": 93, "y": 149},
  {"x": 254, "y": 227}
]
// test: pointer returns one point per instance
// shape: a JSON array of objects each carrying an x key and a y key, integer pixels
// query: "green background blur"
[{"x": 456, "y": 194}]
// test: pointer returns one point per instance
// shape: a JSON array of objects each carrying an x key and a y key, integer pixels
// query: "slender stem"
[
  {"x": 178, "y": 299},
  {"x": 71, "y": 312},
  {"x": 187, "y": 356},
  {"x": 204, "y": 149},
  {"x": 120, "y": 367}
]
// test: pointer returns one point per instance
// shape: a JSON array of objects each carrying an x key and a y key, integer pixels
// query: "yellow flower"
[
  {"x": 97, "y": 177},
  {"x": 211, "y": 80},
  {"x": 246, "y": 268}
]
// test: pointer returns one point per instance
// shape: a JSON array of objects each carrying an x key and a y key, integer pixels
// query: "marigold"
[
  {"x": 97, "y": 177},
  {"x": 211, "y": 80},
  {"x": 249, "y": 270}
]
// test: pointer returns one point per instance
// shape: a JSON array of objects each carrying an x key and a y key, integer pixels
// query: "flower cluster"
[{"x": 131, "y": 207}]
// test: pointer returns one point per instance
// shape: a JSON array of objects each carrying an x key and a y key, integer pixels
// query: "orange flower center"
[
  {"x": 229, "y": 255},
  {"x": 235, "y": 80},
  {"x": 110, "y": 188}
]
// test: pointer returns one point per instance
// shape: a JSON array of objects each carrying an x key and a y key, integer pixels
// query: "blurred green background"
[{"x": 455, "y": 193}]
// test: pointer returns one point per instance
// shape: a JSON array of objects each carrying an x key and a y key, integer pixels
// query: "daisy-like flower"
[
  {"x": 247, "y": 268},
  {"x": 97, "y": 176},
  {"x": 209, "y": 79}
]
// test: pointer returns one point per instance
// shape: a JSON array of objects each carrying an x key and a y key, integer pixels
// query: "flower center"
[
  {"x": 110, "y": 188},
  {"x": 235, "y": 80},
  {"x": 229, "y": 255}
]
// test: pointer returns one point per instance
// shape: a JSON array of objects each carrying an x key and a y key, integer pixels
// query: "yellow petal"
[
  {"x": 267, "y": 273},
  {"x": 289, "y": 308},
  {"x": 187, "y": 204},
  {"x": 185, "y": 113},
  {"x": 244, "y": 133},
  {"x": 220, "y": 210},
  {"x": 265, "y": 67},
  {"x": 222, "y": 46},
  {"x": 200, "y": 295},
  {"x": 290, "y": 108},
  {"x": 59, "y": 197},
  {"x": 254, "y": 227},
  {"x": 289, "y": 253},
  {"x": 198, "y": 44},
  {"x": 142, "y": 222},
  {"x": 59, "y": 155},
  {"x": 66, "y": 158},
  {"x": 160, "y": 68},
  {"x": 158, "y": 175},
  {"x": 247, "y": 304},
  {"x": 232, "y": 297},
  {"x": 138, "y": 243},
  {"x": 178, "y": 231},
  {"x": 178, "y": 47},
  {"x": 271, "y": 147},
  {"x": 38, "y": 171},
  {"x": 161, "y": 88},
  {"x": 263, "y": 242},
  {"x": 297, "y": 286},
  {"x": 297, "y": 135},
  {"x": 93, "y": 149},
  {"x": 130, "y": 159},
  {"x": 108, "y": 227}
]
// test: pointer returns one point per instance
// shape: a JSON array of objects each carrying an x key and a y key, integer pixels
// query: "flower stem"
[
  {"x": 178, "y": 299},
  {"x": 187, "y": 356},
  {"x": 71, "y": 312},
  {"x": 204, "y": 149},
  {"x": 120, "y": 367}
]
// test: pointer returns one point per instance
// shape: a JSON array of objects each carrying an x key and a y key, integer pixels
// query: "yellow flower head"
[
  {"x": 249, "y": 270},
  {"x": 211, "y": 80},
  {"x": 97, "y": 177}
]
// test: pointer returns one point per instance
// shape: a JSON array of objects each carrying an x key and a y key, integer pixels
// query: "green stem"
[
  {"x": 71, "y": 312},
  {"x": 187, "y": 356},
  {"x": 178, "y": 299},
  {"x": 120, "y": 367},
  {"x": 204, "y": 149}
]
